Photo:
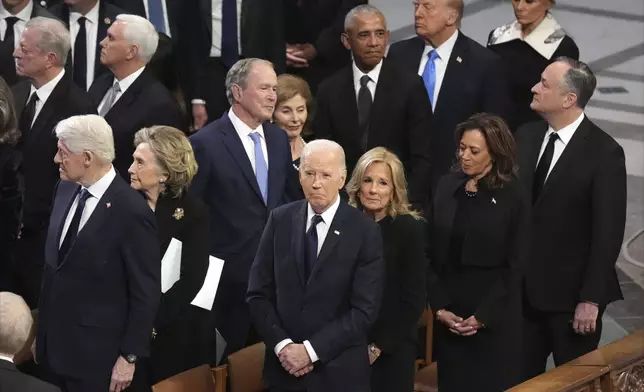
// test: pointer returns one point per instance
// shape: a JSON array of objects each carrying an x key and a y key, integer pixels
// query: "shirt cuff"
[
  {"x": 310, "y": 351},
  {"x": 198, "y": 102},
  {"x": 280, "y": 346}
]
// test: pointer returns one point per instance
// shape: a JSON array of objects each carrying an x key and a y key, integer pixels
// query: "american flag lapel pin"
[
  {"x": 459, "y": 59},
  {"x": 108, "y": 204},
  {"x": 493, "y": 200},
  {"x": 336, "y": 232}
]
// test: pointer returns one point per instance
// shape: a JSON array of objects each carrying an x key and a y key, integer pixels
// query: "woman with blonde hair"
[
  {"x": 379, "y": 188},
  {"x": 163, "y": 168}
]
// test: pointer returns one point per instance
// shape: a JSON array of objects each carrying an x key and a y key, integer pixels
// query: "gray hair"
[
  {"x": 324, "y": 145},
  {"x": 15, "y": 323},
  {"x": 238, "y": 75},
  {"x": 140, "y": 32},
  {"x": 54, "y": 37},
  {"x": 361, "y": 10},
  {"x": 87, "y": 133},
  {"x": 578, "y": 80}
]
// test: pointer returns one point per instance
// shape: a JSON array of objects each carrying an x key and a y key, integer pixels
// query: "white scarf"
[{"x": 545, "y": 38}]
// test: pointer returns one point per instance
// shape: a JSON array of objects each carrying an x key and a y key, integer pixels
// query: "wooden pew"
[
  {"x": 243, "y": 371},
  {"x": 566, "y": 379},
  {"x": 426, "y": 379}
]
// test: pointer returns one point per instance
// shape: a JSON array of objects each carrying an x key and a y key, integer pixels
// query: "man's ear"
[{"x": 344, "y": 38}]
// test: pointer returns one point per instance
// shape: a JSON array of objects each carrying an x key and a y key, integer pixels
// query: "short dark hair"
[
  {"x": 9, "y": 133},
  {"x": 579, "y": 80},
  {"x": 500, "y": 145}
]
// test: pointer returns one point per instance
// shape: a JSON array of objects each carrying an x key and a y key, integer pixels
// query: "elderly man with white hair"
[
  {"x": 316, "y": 283},
  {"x": 15, "y": 326},
  {"x": 129, "y": 97},
  {"x": 101, "y": 282}
]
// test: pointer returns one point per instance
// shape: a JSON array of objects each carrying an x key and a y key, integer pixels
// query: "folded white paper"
[
  {"x": 171, "y": 265},
  {"x": 206, "y": 296}
]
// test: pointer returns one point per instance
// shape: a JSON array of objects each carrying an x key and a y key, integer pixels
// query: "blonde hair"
[
  {"x": 173, "y": 153},
  {"x": 399, "y": 204}
]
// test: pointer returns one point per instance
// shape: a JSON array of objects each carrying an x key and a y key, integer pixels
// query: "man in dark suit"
[
  {"x": 88, "y": 21},
  {"x": 316, "y": 283},
  {"x": 48, "y": 96},
  {"x": 15, "y": 327},
  {"x": 14, "y": 15},
  {"x": 102, "y": 276},
  {"x": 461, "y": 77},
  {"x": 245, "y": 171},
  {"x": 374, "y": 103},
  {"x": 577, "y": 176},
  {"x": 129, "y": 97}
]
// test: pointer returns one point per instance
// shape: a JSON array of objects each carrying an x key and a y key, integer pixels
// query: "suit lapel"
[
  {"x": 528, "y": 164},
  {"x": 380, "y": 102},
  {"x": 22, "y": 91},
  {"x": 56, "y": 97},
  {"x": 58, "y": 217},
  {"x": 454, "y": 74},
  {"x": 297, "y": 240},
  {"x": 274, "y": 170},
  {"x": 332, "y": 237},
  {"x": 347, "y": 104},
  {"x": 99, "y": 88},
  {"x": 166, "y": 223},
  {"x": 448, "y": 212},
  {"x": 128, "y": 97},
  {"x": 413, "y": 58}
]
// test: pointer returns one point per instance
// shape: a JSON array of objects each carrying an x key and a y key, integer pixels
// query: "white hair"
[
  {"x": 140, "y": 32},
  {"x": 15, "y": 323},
  {"x": 54, "y": 37},
  {"x": 87, "y": 133},
  {"x": 324, "y": 145},
  {"x": 238, "y": 75},
  {"x": 362, "y": 9}
]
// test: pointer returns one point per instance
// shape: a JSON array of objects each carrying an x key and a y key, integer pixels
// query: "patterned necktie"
[
  {"x": 72, "y": 230},
  {"x": 543, "y": 167},
  {"x": 429, "y": 75},
  {"x": 261, "y": 171},
  {"x": 312, "y": 246},
  {"x": 110, "y": 98}
]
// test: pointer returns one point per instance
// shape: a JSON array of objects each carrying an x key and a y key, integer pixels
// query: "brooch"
[
  {"x": 178, "y": 214},
  {"x": 107, "y": 20}
]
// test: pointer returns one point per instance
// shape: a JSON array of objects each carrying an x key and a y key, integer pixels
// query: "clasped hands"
[
  {"x": 299, "y": 55},
  {"x": 457, "y": 325},
  {"x": 295, "y": 359}
]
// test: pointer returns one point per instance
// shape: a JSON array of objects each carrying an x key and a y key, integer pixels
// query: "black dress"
[
  {"x": 10, "y": 204},
  {"x": 403, "y": 301},
  {"x": 480, "y": 244}
]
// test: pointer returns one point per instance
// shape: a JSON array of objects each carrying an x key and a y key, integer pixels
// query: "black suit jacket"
[
  {"x": 99, "y": 301},
  {"x": 145, "y": 103},
  {"x": 474, "y": 82},
  {"x": 579, "y": 219},
  {"x": 400, "y": 120},
  {"x": 333, "y": 310},
  {"x": 38, "y": 146},
  {"x": 12, "y": 380}
]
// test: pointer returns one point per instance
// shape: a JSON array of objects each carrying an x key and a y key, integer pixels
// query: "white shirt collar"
[
  {"x": 5, "y": 358},
  {"x": 374, "y": 74},
  {"x": 445, "y": 49},
  {"x": 327, "y": 216},
  {"x": 23, "y": 15},
  {"x": 545, "y": 38},
  {"x": 127, "y": 81},
  {"x": 46, "y": 89},
  {"x": 242, "y": 129},
  {"x": 99, "y": 188},
  {"x": 565, "y": 133},
  {"x": 91, "y": 16}
]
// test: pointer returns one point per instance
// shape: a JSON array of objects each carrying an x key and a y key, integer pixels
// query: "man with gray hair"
[
  {"x": 245, "y": 171},
  {"x": 46, "y": 97},
  {"x": 316, "y": 283},
  {"x": 15, "y": 326},
  {"x": 101, "y": 282},
  {"x": 577, "y": 177},
  {"x": 129, "y": 97}
]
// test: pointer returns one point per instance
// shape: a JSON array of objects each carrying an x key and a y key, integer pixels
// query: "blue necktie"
[
  {"x": 229, "y": 48},
  {"x": 261, "y": 171},
  {"x": 429, "y": 75},
  {"x": 155, "y": 13}
]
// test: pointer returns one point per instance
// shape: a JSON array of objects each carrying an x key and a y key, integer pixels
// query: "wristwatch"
[{"x": 130, "y": 358}]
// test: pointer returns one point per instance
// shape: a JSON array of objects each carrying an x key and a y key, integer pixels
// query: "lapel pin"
[
  {"x": 108, "y": 204},
  {"x": 494, "y": 200},
  {"x": 178, "y": 214},
  {"x": 107, "y": 20},
  {"x": 459, "y": 59},
  {"x": 336, "y": 232}
]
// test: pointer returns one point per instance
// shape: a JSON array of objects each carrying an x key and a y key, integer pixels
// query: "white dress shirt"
[
  {"x": 20, "y": 25},
  {"x": 217, "y": 16},
  {"x": 91, "y": 30},
  {"x": 43, "y": 93},
  {"x": 8, "y": 359},
  {"x": 322, "y": 231},
  {"x": 96, "y": 191},
  {"x": 565, "y": 134},
  {"x": 124, "y": 85},
  {"x": 374, "y": 74},
  {"x": 444, "y": 53},
  {"x": 165, "y": 16},
  {"x": 244, "y": 131}
]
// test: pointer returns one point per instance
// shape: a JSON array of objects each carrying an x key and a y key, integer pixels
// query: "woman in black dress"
[
  {"x": 479, "y": 244},
  {"x": 378, "y": 187},
  {"x": 292, "y": 109},
  {"x": 163, "y": 167},
  {"x": 527, "y": 46}
]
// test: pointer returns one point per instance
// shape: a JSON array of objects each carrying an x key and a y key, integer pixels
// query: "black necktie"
[
  {"x": 365, "y": 100},
  {"x": 27, "y": 116},
  {"x": 543, "y": 167},
  {"x": 229, "y": 47},
  {"x": 72, "y": 231},
  {"x": 9, "y": 36},
  {"x": 80, "y": 55},
  {"x": 312, "y": 246}
]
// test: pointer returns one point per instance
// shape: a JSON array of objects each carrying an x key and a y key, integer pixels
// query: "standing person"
[
  {"x": 576, "y": 174},
  {"x": 378, "y": 187},
  {"x": 461, "y": 77},
  {"x": 101, "y": 281},
  {"x": 47, "y": 96},
  {"x": 527, "y": 46},
  {"x": 316, "y": 283},
  {"x": 244, "y": 170},
  {"x": 293, "y": 112},
  {"x": 480, "y": 245}
]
